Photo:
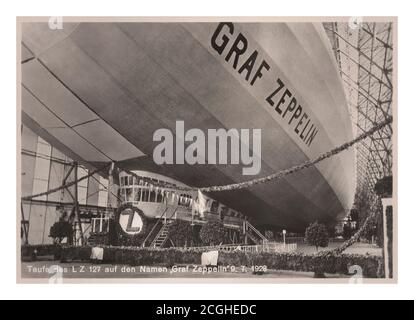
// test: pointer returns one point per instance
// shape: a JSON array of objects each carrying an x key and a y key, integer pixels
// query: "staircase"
[
  {"x": 254, "y": 235},
  {"x": 162, "y": 236},
  {"x": 168, "y": 213}
]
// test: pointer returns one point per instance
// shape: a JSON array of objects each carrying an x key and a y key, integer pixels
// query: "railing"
[
  {"x": 103, "y": 225},
  {"x": 302, "y": 240},
  {"x": 270, "y": 247}
]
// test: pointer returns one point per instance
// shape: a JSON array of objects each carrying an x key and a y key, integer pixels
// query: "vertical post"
[
  {"x": 100, "y": 223},
  {"x": 193, "y": 206},
  {"x": 77, "y": 203},
  {"x": 245, "y": 231},
  {"x": 23, "y": 221},
  {"x": 387, "y": 202},
  {"x": 112, "y": 188}
]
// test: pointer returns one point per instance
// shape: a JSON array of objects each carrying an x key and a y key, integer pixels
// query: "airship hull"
[{"x": 115, "y": 84}]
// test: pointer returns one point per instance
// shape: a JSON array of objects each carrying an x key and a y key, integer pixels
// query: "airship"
[{"x": 99, "y": 91}]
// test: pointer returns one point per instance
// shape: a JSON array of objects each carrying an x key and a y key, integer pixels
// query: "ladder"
[
  {"x": 161, "y": 236},
  {"x": 166, "y": 210}
]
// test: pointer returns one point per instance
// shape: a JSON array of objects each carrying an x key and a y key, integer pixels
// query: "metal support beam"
[
  {"x": 75, "y": 199},
  {"x": 23, "y": 222}
]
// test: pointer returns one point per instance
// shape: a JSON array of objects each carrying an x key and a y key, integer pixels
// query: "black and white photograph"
[{"x": 207, "y": 149}]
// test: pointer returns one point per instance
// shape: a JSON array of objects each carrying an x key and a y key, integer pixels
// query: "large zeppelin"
[{"x": 99, "y": 91}]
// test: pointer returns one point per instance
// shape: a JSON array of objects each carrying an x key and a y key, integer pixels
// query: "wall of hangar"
[{"x": 43, "y": 167}]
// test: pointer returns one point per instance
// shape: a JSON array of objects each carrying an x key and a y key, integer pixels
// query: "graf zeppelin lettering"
[{"x": 234, "y": 48}]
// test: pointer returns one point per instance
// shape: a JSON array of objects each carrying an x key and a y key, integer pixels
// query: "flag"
[{"x": 201, "y": 203}]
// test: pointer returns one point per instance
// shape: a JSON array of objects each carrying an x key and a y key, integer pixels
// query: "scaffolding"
[{"x": 364, "y": 52}]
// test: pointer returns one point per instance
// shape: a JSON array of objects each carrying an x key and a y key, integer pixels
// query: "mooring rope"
[
  {"x": 274, "y": 176},
  {"x": 352, "y": 240},
  {"x": 306, "y": 164}
]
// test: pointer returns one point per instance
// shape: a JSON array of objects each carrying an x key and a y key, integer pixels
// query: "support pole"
[
  {"x": 387, "y": 202},
  {"x": 245, "y": 231},
  {"x": 75, "y": 167},
  {"x": 23, "y": 221},
  {"x": 101, "y": 223},
  {"x": 112, "y": 189}
]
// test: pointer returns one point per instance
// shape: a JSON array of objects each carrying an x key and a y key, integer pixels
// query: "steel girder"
[{"x": 364, "y": 53}]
